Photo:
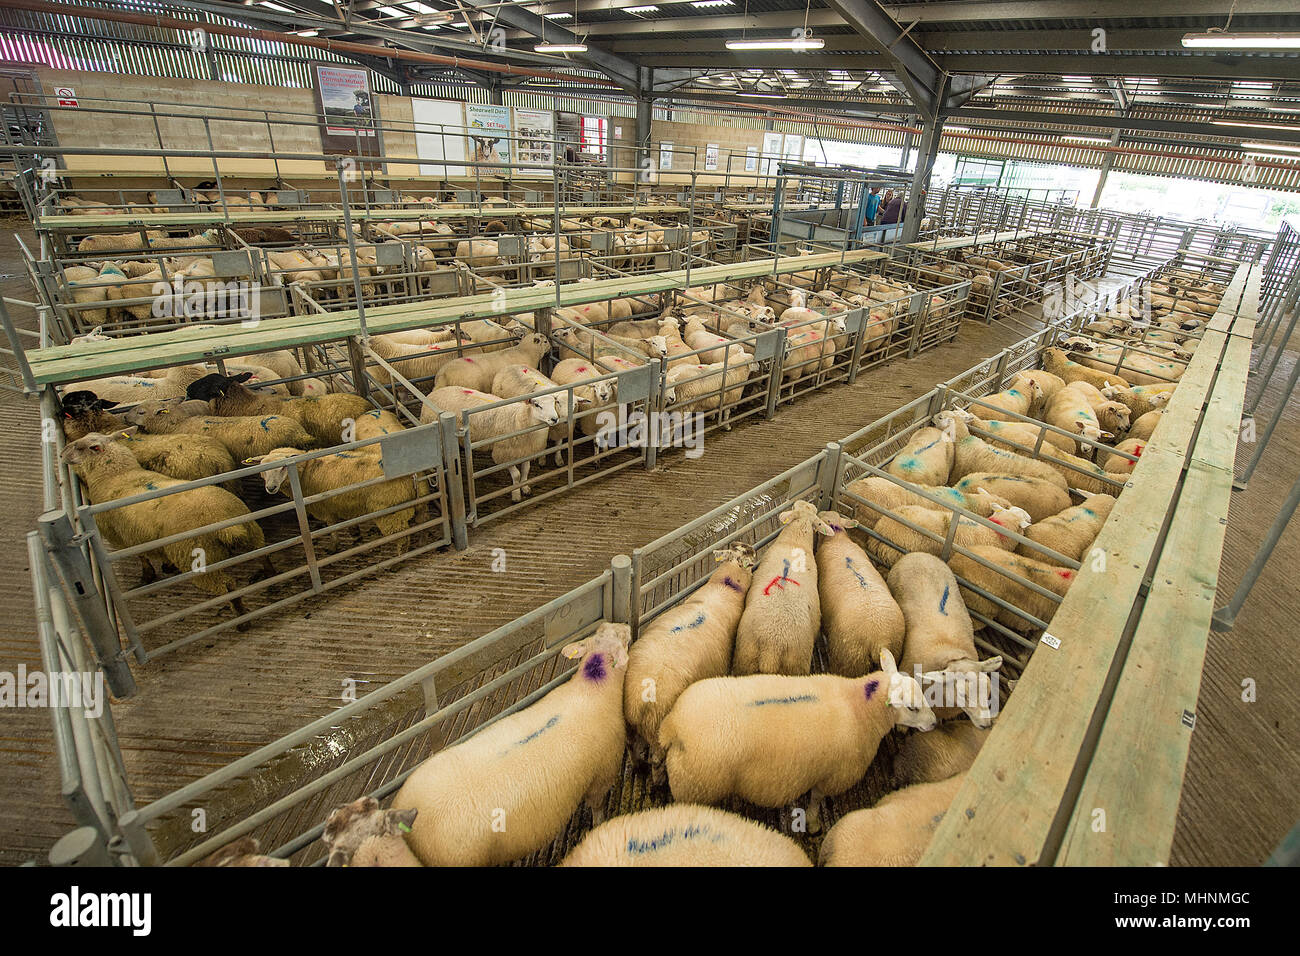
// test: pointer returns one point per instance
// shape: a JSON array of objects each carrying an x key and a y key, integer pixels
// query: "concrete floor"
[{"x": 201, "y": 708}]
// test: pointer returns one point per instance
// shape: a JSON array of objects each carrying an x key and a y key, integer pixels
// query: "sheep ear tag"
[
  {"x": 574, "y": 650},
  {"x": 785, "y": 517}
]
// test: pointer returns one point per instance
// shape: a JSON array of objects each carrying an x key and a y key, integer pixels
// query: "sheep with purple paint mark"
[
  {"x": 782, "y": 611},
  {"x": 894, "y": 832},
  {"x": 859, "y": 616},
  {"x": 510, "y": 789},
  {"x": 688, "y": 642},
  {"x": 940, "y": 641},
  {"x": 769, "y": 738},
  {"x": 685, "y": 835}
]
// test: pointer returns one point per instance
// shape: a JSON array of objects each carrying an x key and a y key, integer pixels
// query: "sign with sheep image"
[{"x": 347, "y": 111}]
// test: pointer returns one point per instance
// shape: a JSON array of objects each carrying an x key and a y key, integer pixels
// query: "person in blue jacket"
[{"x": 873, "y": 204}]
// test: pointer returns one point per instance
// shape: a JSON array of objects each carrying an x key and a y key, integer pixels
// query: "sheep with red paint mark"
[
  {"x": 940, "y": 642},
  {"x": 997, "y": 581},
  {"x": 478, "y": 371},
  {"x": 511, "y": 789},
  {"x": 1121, "y": 465},
  {"x": 768, "y": 738},
  {"x": 685, "y": 835},
  {"x": 902, "y": 539},
  {"x": 782, "y": 609},
  {"x": 688, "y": 642},
  {"x": 859, "y": 616}
]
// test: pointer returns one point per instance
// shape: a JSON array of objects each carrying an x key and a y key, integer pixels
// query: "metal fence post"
[
  {"x": 621, "y": 567},
  {"x": 83, "y": 846},
  {"x": 831, "y": 476},
  {"x": 774, "y": 381},
  {"x": 58, "y": 538},
  {"x": 455, "y": 488},
  {"x": 1226, "y": 616}
]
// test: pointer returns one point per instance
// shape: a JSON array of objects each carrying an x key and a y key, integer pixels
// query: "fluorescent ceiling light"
[
  {"x": 956, "y": 129},
  {"x": 420, "y": 8},
  {"x": 273, "y": 6},
  {"x": 647, "y": 8},
  {"x": 308, "y": 33},
  {"x": 1253, "y": 125},
  {"x": 705, "y": 4},
  {"x": 1077, "y": 79},
  {"x": 778, "y": 43},
  {"x": 1271, "y": 147},
  {"x": 560, "y": 48},
  {"x": 458, "y": 23},
  {"x": 391, "y": 12},
  {"x": 1242, "y": 41},
  {"x": 1101, "y": 140},
  {"x": 766, "y": 96},
  {"x": 559, "y": 16}
]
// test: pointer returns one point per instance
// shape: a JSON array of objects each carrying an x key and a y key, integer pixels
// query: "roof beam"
[
  {"x": 952, "y": 11},
  {"x": 1200, "y": 128}
]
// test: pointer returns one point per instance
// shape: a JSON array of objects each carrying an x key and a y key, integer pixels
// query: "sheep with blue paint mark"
[
  {"x": 243, "y": 436},
  {"x": 902, "y": 539},
  {"x": 1070, "y": 532},
  {"x": 971, "y": 453},
  {"x": 1071, "y": 411},
  {"x": 1036, "y": 497},
  {"x": 685, "y": 835},
  {"x": 688, "y": 642},
  {"x": 782, "y": 611},
  {"x": 940, "y": 641},
  {"x": 926, "y": 459},
  {"x": 1017, "y": 400},
  {"x": 511, "y": 789},
  {"x": 997, "y": 581},
  {"x": 769, "y": 738},
  {"x": 894, "y": 832},
  {"x": 859, "y": 616},
  {"x": 889, "y": 495}
]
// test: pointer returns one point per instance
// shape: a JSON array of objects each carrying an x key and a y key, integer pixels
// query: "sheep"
[
  {"x": 414, "y": 361},
  {"x": 1069, "y": 410},
  {"x": 1140, "y": 399},
  {"x": 1046, "y": 382},
  {"x": 940, "y": 641},
  {"x": 478, "y": 371},
  {"x": 509, "y": 789},
  {"x": 374, "y": 423},
  {"x": 949, "y": 749},
  {"x": 110, "y": 472},
  {"x": 704, "y": 388},
  {"x": 119, "y": 242},
  {"x": 491, "y": 425},
  {"x": 1007, "y": 434},
  {"x": 926, "y": 459},
  {"x": 325, "y": 475},
  {"x": 361, "y": 834},
  {"x": 515, "y": 380},
  {"x": 1118, "y": 464},
  {"x": 128, "y": 389},
  {"x": 1047, "y": 576},
  {"x": 905, "y": 539},
  {"x": 859, "y": 617},
  {"x": 751, "y": 736},
  {"x": 1145, "y": 425},
  {"x": 886, "y": 494},
  {"x": 1070, "y": 532},
  {"x": 972, "y": 454},
  {"x": 685, "y": 835},
  {"x": 782, "y": 612},
  {"x": 243, "y": 437},
  {"x": 894, "y": 832},
  {"x": 1058, "y": 363},
  {"x": 1113, "y": 417},
  {"x": 1013, "y": 400},
  {"x": 1037, "y": 497},
  {"x": 686, "y": 643},
  {"x": 1084, "y": 475},
  {"x": 324, "y": 418}
]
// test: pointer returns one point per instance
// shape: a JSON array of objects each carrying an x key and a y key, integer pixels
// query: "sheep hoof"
[
  {"x": 528, "y": 489},
  {"x": 516, "y": 496}
]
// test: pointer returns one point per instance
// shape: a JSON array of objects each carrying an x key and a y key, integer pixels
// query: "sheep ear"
[
  {"x": 255, "y": 460},
  {"x": 127, "y": 432},
  {"x": 575, "y": 650},
  {"x": 785, "y": 517},
  {"x": 887, "y": 662}
]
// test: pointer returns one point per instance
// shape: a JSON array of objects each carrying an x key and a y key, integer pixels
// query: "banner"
[
  {"x": 711, "y": 156},
  {"x": 489, "y": 135},
  {"x": 536, "y": 142},
  {"x": 771, "y": 152},
  {"x": 439, "y": 136},
  {"x": 347, "y": 111}
]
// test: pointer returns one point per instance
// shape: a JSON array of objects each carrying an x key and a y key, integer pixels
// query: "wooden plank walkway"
[
  {"x": 964, "y": 242},
  {"x": 70, "y": 363}
]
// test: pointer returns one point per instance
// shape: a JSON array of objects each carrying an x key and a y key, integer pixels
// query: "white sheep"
[
  {"x": 895, "y": 832},
  {"x": 1070, "y": 410},
  {"x": 903, "y": 539},
  {"x": 686, "y": 643},
  {"x": 1070, "y": 532},
  {"x": 997, "y": 581},
  {"x": 1140, "y": 399},
  {"x": 1118, "y": 464},
  {"x": 926, "y": 459},
  {"x": 1037, "y": 498},
  {"x": 768, "y": 738},
  {"x": 685, "y": 835},
  {"x": 1144, "y": 426},
  {"x": 478, "y": 371},
  {"x": 859, "y": 616},
  {"x": 243, "y": 436},
  {"x": 887, "y": 494},
  {"x": 782, "y": 611},
  {"x": 1016, "y": 400},
  {"x": 949, "y": 749},
  {"x": 510, "y": 789},
  {"x": 972, "y": 454},
  {"x": 940, "y": 642}
]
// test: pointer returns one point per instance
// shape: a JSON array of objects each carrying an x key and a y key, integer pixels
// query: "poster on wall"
[
  {"x": 771, "y": 152},
  {"x": 347, "y": 111},
  {"x": 793, "y": 151},
  {"x": 489, "y": 134},
  {"x": 751, "y": 158},
  {"x": 711, "y": 156},
  {"x": 439, "y": 136},
  {"x": 665, "y": 155},
  {"x": 536, "y": 142}
]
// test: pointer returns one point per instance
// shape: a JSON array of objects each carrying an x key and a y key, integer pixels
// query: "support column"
[
  {"x": 1106, "y": 165},
  {"x": 931, "y": 132},
  {"x": 644, "y": 114},
  {"x": 495, "y": 96}
]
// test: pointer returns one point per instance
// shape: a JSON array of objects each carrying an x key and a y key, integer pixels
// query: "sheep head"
[
  {"x": 806, "y": 511},
  {"x": 243, "y": 852},
  {"x": 609, "y": 643},
  {"x": 352, "y": 824},
  {"x": 905, "y": 696},
  {"x": 146, "y": 413},
  {"x": 657, "y": 345},
  {"x": 215, "y": 385},
  {"x": 544, "y": 409},
  {"x": 1009, "y": 516},
  {"x": 86, "y": 448},
  {"x": 274, "y": 478},
  {"x": 968, "y": 683},
  {"x": 83, "y": 402},
  {"x": 837, "y": 522}
]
